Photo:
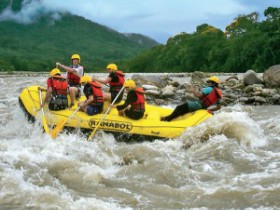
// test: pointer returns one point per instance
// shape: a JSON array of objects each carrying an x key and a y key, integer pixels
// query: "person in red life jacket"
[
  {"x": 115, "y": 80},
  {"x": 209, "y": 98},
  {"x": 57, "y": 89},
  {"x": 93, "y": 92},
  {"x": 134, "y": 105},
  {"x": 74, "y": 74}
]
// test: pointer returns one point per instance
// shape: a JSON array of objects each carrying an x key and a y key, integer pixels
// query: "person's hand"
[
  {"x": 57, "y": 64},
  {"x": 81, "y": 104},
  {"x": 210, "y": 111},
  {"x": 94, "y": 79}
]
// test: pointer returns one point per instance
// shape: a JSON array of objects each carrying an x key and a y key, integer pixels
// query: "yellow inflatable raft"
[{"x": 149, "y": 126}]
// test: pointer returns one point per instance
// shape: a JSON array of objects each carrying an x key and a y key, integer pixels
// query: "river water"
[{"x": 233, "y": 163}]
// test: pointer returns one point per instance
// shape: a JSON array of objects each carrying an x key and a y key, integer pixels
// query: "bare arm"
[
  {"x": 196, "y": 92},
  {"x": 89, "y": 100},
  {"x": 86, "y": 102},
  {"x": 105, "y": 81},
  {"x": 48, "y": 96},
  {"x": 215, "y": 108},
  {"x": 67, "y": 68}
]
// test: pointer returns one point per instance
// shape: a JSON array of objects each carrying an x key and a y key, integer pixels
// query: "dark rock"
[
  {"x": 271, "y": 76},
  {"x": 251, "y": 78}
]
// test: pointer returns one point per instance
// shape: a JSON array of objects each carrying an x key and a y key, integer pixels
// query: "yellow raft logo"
[{"x": 111, "y": 125}]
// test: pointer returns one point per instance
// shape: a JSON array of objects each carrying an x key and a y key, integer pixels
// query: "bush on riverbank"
[{"x": 246, "y": 44}]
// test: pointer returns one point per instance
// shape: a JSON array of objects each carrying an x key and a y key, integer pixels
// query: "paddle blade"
[
  {"x": 95, "y": 129},
  {"x": 92, "y": 133},
  {"x": 45, "y": 125},
  {"x": 59, "y": 127},
  {"x": 61, "y": 124}
]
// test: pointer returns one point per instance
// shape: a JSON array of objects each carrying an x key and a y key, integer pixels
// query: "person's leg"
[
  {"x": 107, "y": 96},
  {"x": 178, "y": 111},
  {"x": 78, "y": 93},
  {"x": 114, "y": 95},
  {"x": 73, "y": 91},
  {"x": 133, "y": 115},
  {"x": 194, "y": 105},
  {"x": 93, "y": 110}
]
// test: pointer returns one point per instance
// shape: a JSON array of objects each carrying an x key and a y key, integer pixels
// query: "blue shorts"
[
  {"x": 194, "y": 105},
  {"x": 92, "y": 110}
]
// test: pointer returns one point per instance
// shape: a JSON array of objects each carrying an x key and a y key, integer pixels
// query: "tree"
[
  {"x": 272, "y": 14},
  {"x": 242, "y": 25}
]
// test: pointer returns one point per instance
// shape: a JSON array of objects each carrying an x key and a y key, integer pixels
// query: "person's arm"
[
  {"x": 84, "y": 104},
  {"x": 216, "y": 107},
  {"x": 69, "y": 69},
  {"x": 48, "y": 91},
  {"x": 88, "y": 101},
  {"x": 47, "y": 97},
  {"x": 105, "y": 81},
  {"x": 196, "y": 93},
  {"x": 131, "y": 97},
  {"x": 89, "y": 94}
]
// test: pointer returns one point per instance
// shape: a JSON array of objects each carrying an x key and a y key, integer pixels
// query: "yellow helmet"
[
  {"x": 129, "y": 84},
  {"x": 76, "y": 56},
  {"x": 85, "y": 79},
  {"x": 214, "y": 79},
  {"x": 112, "y": 66},
  {"x": 54, "y": 72}
]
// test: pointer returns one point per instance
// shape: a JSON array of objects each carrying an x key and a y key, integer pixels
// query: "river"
[{"x": 233, "y": 163}]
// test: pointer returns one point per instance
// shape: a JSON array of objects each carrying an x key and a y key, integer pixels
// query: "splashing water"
[
  {"x": 232, "y": 163},
  {"x": 234, "y": 125}
]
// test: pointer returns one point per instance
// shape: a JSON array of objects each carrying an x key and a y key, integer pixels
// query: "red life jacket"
[
  {"x": 73, "y": 79},
  {"x": 139, "y": 104},
  {"x": 116, "y": 86},
  {"x": 97, "y": 93},
  {"x": 59, "y": 85},
  {"x": 212, "y": 98}
]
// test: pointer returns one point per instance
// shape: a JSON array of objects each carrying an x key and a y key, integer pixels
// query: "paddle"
[
  {"x": 95, "y": 129},
  {"x": 58, "y": 128},
  {"x": 44, "y": 120}
]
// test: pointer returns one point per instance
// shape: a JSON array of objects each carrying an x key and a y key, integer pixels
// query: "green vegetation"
[
  {"x": 37, "y": 46},
  {"x": 246, "y": 44},
  {"x": 4, "y": 4},
  {"x": 15, "y": 6}
]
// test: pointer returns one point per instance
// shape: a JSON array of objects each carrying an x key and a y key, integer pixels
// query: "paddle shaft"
[
  {"x": 73, "y": 114},
  {"x": 60, "y": 126},
  {"x": 95, "y": 129},
  {"x": 44, "y": 120}
]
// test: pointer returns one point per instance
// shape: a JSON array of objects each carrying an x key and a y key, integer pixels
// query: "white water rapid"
[{"x": 233, "y": 163}]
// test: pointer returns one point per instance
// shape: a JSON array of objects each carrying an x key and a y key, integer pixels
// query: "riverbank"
[
  {"x": 247, "y": 88},
  {"x": 173, "y": 88}
]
